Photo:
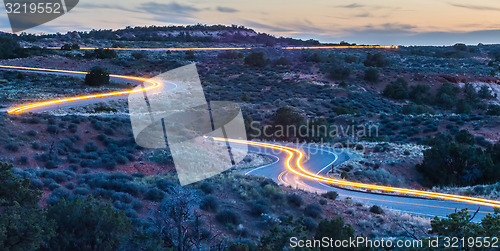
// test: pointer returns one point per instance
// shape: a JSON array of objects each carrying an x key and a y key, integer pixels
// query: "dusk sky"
[{"x": 387, "y": 22}]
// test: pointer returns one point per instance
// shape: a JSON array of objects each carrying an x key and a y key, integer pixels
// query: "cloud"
[
  {"x": 104, "y": 6},
  {"x": 270, "y": 28},
  {"x": 226, "y": 9},
  {"x": 172, "y": 8},
  {"x": 364, "y": 14},
  {"x": 351, "y": 6},
  {"x": 474, "y": 7}
]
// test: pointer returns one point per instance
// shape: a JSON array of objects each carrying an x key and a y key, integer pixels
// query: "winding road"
[{"x": 302, "y": 167}]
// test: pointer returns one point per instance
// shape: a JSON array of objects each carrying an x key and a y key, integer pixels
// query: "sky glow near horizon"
[{"x": 385, "y": 22}]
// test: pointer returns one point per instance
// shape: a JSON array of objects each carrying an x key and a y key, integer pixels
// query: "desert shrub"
[
  {"x": 372, "y": 75},
  {"x": 137, "y": 204},
  {"x": 57, "y": 195},
  {"x": 259, "y": 207},
  {"x": 100, "y": 192},
  {"x": 154, "y": 194},
  {"x": 447, "y": 96},
  {"x": 416, "y": 109},
  {"x": 101, "y": 54},
  {"x": 96, "y": 77},
  {"x": 493, "y": 110},
  {"x": 323, "y": 202},
  {"x": 295, "y": 200},
  {"x": 228, "y": 216},
  {"x": 120, "y": 159},
  {"x": 31, "y": 133},
  {"x": 165, "y": 184},
  {"x": 332, "y": 195},
  {"x": 190, "y": 55},
  {"x": 52, "y": 186},
  {"x": 109, "y": 131},
  {"x": 256, "y": 59},
  {"x": 397, "y": 89},
  {"x": 52, "y": 129},
  {"x": 22, "y": 160},
  {"x": 207, "y": 187},
  {"x": 376, "y": 209},
  {"x": 70, "y": 185},
  {"x": 81, "y": 191},
  {"x": 90, "y": 147},
  {"x": 131, "y": 213},
  {"x": 87, "y": 224},
  {"x": 310, "y": 223},
  {"x": 35, "y": 146},
  {"x": 121, "y": 196},
  {"x": 36, "y": 183},
  {"x": 209, "y": 203},
  {"x": 283, "y": 61},
  {"x": 138, "y": 55},
  {"x": 230, "y": 55},
  {"x": 375, "y": 60},
  {"x": 12, "y": 147},
  {"x": 72, "y": 127},
  {"x": 339, "y": 72},
  {"x": 50, "y": 164},
  {"x": 465, "y": 137},
  {"x": 313, "y": 210},
  {"x": 108, "y": 162}
]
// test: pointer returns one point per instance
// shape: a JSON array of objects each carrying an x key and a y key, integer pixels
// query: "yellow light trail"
[
  {"x": 239, "y": 48},
  {"x": 298, "y": 169},
  {"x": 19, "y": 109}
]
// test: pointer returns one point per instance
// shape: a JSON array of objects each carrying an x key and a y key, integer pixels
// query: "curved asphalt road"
[{"x": 320, "y": 161}]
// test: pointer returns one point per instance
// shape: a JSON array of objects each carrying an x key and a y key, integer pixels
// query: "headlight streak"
[
  {"x": 23, "y": 108},
  {"x": 301, "y": 171},
  {"x": 239, "y": 48}
]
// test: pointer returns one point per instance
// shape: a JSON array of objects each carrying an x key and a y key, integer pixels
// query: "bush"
[
  {"x": 377, "y": 60},
  {"x": 338, "y": 72},
  {"x": 81, "y": 191},
  {"x": 372, "y": 75},
  {"x": 154, "y": 194},
  {"x": 190, "y": 55},
  {"x": 12, "y": 147},
  {"x": 230, "y": 55},
  {"x": 256, "y": 59},
  {"x": 397, "y": 89},
  {"x": 228, "y": 216},
  {"x": 209, "y": 203},
  {"x": 310, "y": 223},
  {"x": 258, "y": 208},
  {"x": 101, "y": 54},
  {"x": 376, "y": 209},
  {"x": 207, "y": 188},
  {"x": 313, "y": 210},
  {"x": 31, "y": 133},
  {"x": 493, "y": 110},
  {"x": 50, "y": 164},
  {"x": 85, "y": 224},
  {"x": 96, "y": 77},
  {"x": 23, "y": 160},
  {"x": 72, "y": 127},
  {"x": 416, "y": 109},
  {"x": 121, "y": 196},
  {"x": 90, "y": 147},
  {"x": 332, "y": 195},
  {"x": 295, "y": 200}
]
